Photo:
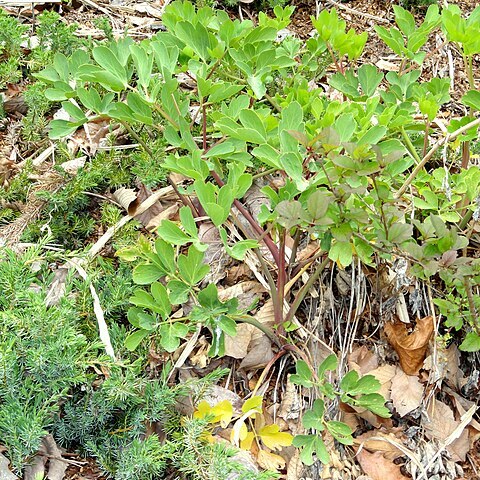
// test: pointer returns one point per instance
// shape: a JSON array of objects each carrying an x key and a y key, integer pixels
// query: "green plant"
[
  {"x": 353, "y": 390},
  {"x": 357, "y": 178}
]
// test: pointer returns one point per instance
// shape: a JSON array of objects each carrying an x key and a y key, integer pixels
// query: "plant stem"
[
  {"x": 410, "y": 146},
  {"x": 281, "y": 280},
  {"x": 305, "y": 289},
  {"x": 262, "y": 327},
  {"x": 267, "y": 239}
]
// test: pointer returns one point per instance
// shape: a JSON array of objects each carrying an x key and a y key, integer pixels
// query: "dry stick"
[
  {"x": 356, "y": 12},
  {"x": 429, "y": 155}
]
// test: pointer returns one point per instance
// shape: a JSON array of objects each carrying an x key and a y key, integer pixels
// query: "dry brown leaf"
[
  {"x": 291, "y": 405},
  {"x": 5, "y": 472},
  {"x": 384, "y": 375},
  {"x": 441, "y": 425},
  {"x": 446, "y": 365},
  {"x": 215, "y": 255},
  {"x": 260, "y": 349},
  {"x": 378, "y": 441},
  {"x": 246, "y": 293},
  {"x": 295, "y": 467},
  {"x": 406, "y": 392},
  {"x": 237, "y": 346},
  {"x": 218, "y": 394},
  {"x": 410, "y": 347},
  {"x": 125, "y": 197},
  {"x": 270, "y": 461},
  {"x": 377, "y": 467},
  {"x": 259, "y": 355},
  {"x": 73, "y": 166},
  {"x": 48, "y": 452},
  {"x": 362, "y": 360}
]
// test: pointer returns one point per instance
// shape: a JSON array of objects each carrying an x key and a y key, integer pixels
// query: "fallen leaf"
[
  {"x": 245, "y": 459},
  {"x": 270, "y": 461},
  {"x": 246, "y": 293},
  {"x": 48, "y": 452},
  {"x": 406, "y": 392},
  {"x": 377, "y": 467},
  {"x": 362, "y": 360},
  {"x": 410, "y": 347},
  {"x": 295, "y": 467},
  {"x": 291, "y": 404},
  {"x": 384, "y": 375},
  {"x": 73, "y": 166},
  {"x": 217, "y": 394},
  {"x": 441, "y": 425},
  {"x": 237, "y": 346},
  {"x": 378, "y": 441},
  {"x": 5, "y": 473}
]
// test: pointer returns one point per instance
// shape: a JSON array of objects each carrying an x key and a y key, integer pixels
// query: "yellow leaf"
[
  {"x": 270, "y": 461},
  {"x": 222, "y": 412},
  {"x": 203, "y": 409},
  {"x": 273, "y": 438},
  {"x": 246, "y": 443},
  {"x": 254, "y": 403}
]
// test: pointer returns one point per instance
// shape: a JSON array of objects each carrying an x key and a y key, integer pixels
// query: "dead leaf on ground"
[
  {"x": 270, "y": 461},
  {"x": 381, "y": 441},
  {"x": 260, "y": 349},
  {"x": 5, "y": 472},
  {"x": 48, "y": 452},
  {"x": 406, "y": 392},
  {"x": 215, "y": 255},
  {"x": 246, "y": 293},
  {"x": 295, "y": 468},
  {"x": 410, "y": 347},
  {"x": 446, "y": 366},
  {"x": 377, "y": 467},
  {"x": 237, "y": 346},
  {"x": 441, "y": 425},
  {"x": 384, "y": 375},
  {"x": 291, "y": 404},
  {"x": 362, "y": 360},
  {"x": 243, "y": 458},
  {"x": 217, "y": 394}
]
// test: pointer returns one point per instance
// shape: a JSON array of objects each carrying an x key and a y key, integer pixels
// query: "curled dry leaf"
[
  {"x": 125, "y": 197},
  {"x": 410, "y": 347},
  {"x": 50, "y": 452},
  {"x": 406, "y": 392}
]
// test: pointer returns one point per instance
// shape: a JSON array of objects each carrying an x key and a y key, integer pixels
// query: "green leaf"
[
  {"x": 349, "y": 381},
  {"x": 303, "y": 376},
  {"x": 163, "y": 305},
  {"x": 251, "y": 120},
  {"x": 171, "y": 334},
  {"x": 471, "y": 343},
  {"x": 311, "y": 445},
  {"x": 107, "y": 59},
  {"x": 329, "y": 364},
  {"x": 341, "y": 432},
  {"x": 140, "y": 108},
  {"x": 143, "y": 63},
  {"x": 191, "y": 266},
  {"x": 188, "y": 222},
  {"x": 178, "y": 292},
  {"x": 369, "y": 78},
  {"x": 342, "y": 253},
  {"x": 61, "y": 128},
  {"x": 367, "y": 384},
  {"x": 171, "y": 233},
  {"x": 375, "y": 403},
  {"x": 314, "y": 418},
  {"x": 318, "y": 202},
  {"x": 144, "y": 274},
  {"x": 166, "y": 255},
  {"x": 134, "y": 339},
  {"x": 472, "y": 99}
]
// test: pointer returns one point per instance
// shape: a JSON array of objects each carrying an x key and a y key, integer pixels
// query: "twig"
[
  {"x": 356, "y": 12},
  {"x": 431, "y": 152}
]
